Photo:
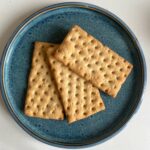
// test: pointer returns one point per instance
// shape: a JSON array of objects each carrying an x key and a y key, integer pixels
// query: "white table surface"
[{"x": 136, "y": 14}]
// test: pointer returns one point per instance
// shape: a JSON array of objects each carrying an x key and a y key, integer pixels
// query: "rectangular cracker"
[
  {"x": 79, "y": 97},
  {"x": 90, "y": 59},
  {"x": 42, "y": 99}
]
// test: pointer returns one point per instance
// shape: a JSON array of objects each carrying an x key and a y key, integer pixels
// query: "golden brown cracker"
[
  {"x": 42, "y": 99},
  {"x": 90, "y": 59},
  {"x": 80, "y": 98}
]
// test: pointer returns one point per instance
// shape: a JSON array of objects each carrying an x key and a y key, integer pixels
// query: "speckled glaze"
[{"x": 51, "y": 24}]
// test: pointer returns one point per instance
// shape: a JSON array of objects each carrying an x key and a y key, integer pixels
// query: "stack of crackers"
[{"x": 65, "y": 79}]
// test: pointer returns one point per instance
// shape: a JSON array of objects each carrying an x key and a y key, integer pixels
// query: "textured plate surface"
[{"x": 51, "y": 24}]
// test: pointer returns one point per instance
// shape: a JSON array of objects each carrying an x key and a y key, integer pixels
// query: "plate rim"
[{"x": 111, "y": 16}]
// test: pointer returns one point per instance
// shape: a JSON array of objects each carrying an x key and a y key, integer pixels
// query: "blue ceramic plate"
[{"x": 51, "y": 24}]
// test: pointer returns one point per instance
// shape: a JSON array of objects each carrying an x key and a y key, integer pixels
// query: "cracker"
[
  {"x": 97, "y": 63},
  {"x": 42, "y": 98},
  {"x": 79, "y": 97}
]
